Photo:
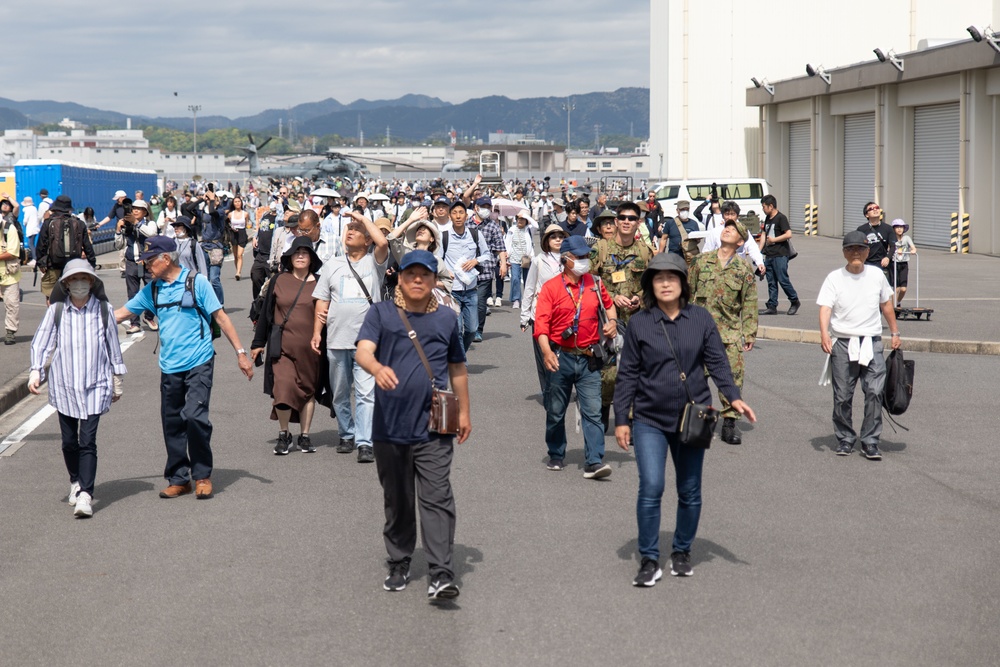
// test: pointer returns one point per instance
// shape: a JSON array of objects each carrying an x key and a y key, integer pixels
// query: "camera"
[{"x": 567, "y": 334}]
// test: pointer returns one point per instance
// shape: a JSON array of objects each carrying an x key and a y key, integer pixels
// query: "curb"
[
  {"x": 13, "y": 392},
  {"x": 908, "y": 344}
]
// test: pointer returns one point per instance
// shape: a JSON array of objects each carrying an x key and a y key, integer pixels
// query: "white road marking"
[{"x": 13, "y": 441}]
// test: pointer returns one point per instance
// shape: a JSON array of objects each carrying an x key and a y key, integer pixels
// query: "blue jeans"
[
  {"x": 484, "y": 289},
  {"x": 344, "y": 372},
  {"x": 777, "y": 274},
  {"x": 517, "y": 274},
  {"x": 572, "y": 371},
  {"x": 651, "y": 446},
  {"x": 468, "y": 320},
  {"x": 187, "y": 432}
]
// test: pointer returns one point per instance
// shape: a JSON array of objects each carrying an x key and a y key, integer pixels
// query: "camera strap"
[{"x": 578, "y": 301}]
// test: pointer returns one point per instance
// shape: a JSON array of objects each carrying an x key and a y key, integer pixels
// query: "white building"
[
  {"x": 588, "y": 162},
  {"x": 703, "y": 54},
  {"x": 127, "y": 149}
]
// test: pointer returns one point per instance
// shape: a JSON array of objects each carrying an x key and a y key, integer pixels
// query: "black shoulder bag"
[
  {"x": 274, "y": 339},
  {"x": 697, "y": 420}
]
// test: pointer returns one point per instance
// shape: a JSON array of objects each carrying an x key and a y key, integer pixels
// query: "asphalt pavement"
[{"x": 802, "y": 557}]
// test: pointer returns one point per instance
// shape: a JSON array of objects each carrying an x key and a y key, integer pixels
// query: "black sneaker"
[
  {"x": 284, "y": 443},
  {"x": 794, "y": 308},
  {"x": 305, "y": 444},
  {"x": 345, "y": 446},
  {"x": 770, "y": 310},
  {"x": 680, "y": 564},
  {"x": 442, "y": 588},
  {"x": 845, "y": 449},
  {"x": 366, "y": 454},
  {"x": 399, "y": 575},
  {"x": 649, "y": 573},
  {"x": 555, "y": 464},
  {"x": 596, "y": 471},
  {"x": 871, "y": 452}
]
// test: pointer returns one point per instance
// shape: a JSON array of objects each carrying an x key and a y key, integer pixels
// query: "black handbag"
[
  {"x": 274, "y": 338},
  {"x": 698, "y": 420}
]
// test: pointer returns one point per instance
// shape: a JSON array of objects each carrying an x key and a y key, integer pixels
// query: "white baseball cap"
[{"x": 119, "y": 195}]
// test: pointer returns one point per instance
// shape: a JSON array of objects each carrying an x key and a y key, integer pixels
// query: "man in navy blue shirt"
[{"x": 408, "y": 457}]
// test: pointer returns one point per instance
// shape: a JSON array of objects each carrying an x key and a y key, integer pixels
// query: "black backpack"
[
  {"x": 65, "y": 238},
  {"x": 898, "y": 383},
  {"x": 188, "y": 300}
]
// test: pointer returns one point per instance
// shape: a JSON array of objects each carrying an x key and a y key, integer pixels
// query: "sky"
[{"x": 237, "y": 59}]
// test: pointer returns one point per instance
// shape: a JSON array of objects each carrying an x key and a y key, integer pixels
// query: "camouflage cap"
[{"x": 741, "y": 228}]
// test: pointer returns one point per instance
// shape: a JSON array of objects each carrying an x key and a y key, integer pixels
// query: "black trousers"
[
  {"x": 258, "y": 274},
  {"x": 187, "y": 432},
  {"x": 79, "y": 447},
  {"x": 409, "y": 470}
]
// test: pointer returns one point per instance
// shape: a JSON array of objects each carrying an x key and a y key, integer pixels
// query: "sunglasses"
[
  {"x": 630, "y": 218},
  {"x": 873, "y": 208}
]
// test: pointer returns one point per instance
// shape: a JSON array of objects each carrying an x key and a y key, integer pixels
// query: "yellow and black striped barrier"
[
  {"x": 815, "y": 220},
  {"x": 954, "y": 232},
  {"x": 965, "y": 234},
  {"x": 807, "y": 227}
]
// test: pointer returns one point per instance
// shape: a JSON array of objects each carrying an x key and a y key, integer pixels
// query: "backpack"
[
  {"x": 66, "y": 232},
  {"x": 20, "y": 236},
  {"x": 475, "y": 239},
  {"x": 58, "y": 299},
  {"x": 188, "y": 300},
  {"x": 898, "y": 388}
]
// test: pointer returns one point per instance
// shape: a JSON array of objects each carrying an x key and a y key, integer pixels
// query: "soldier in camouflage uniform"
[
  {"x": 725, "y": 285},
  {"x": 619, "y": 262}
]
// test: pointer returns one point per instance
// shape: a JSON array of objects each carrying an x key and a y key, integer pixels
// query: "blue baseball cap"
[
  {"x": 157, "y": 245},
  {"x": 575, "y": 245},
  {"x": 442, "y": 201},
  {"x": 484, "y": 201},
  {"x": 419, "y": 258}
]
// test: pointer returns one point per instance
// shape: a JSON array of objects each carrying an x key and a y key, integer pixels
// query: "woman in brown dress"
[{"x": 285, "y": 327}]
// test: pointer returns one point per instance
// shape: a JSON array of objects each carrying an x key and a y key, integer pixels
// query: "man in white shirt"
[
  {"x": 850, "y": 302},
  {"x": 748, "y": 251}
]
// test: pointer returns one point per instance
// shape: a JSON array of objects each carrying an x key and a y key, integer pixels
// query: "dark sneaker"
[
  {"x": 649, "y": 573},
  {"x": 284, "y": 443},
  {"x": 442, "y": 588},
  {"x": 345, "y": 446},
  {"x": 794, "y": 308},
  {"x": 680, "y": 564},
  {"x": 871, "y": 452},
  {"x": 478, "y": 338},
  {"x": 730, "y": 433},
  {"x": 768, "y": 311},
  {"x": 9, "y": 338},
  {"x": 555, "y": 464},
  {"x": 399, "y": 575},
  {"x": 845, "y": 449},
  {"x": 305, "y": 444},
  {"x": 366, "y": 454},
  {"x": 596, "y": 471}
]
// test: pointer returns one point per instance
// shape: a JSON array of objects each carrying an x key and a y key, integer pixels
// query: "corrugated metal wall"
[
  {"x": 935, "y": 173},
  {"x": 799, "y": 145},
  {"x": 859, "y": 168}
]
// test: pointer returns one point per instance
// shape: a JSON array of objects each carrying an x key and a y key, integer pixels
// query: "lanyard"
[
  {"x": 620, "y": 263},
  {"x": 578, "y": 301}
]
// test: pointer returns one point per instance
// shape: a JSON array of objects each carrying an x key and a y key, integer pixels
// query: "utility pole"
[
  {"x": 597, "y": 136},
  {"x": 568, "y": 106},
  {"x": 388, "y": 141},
  {"x": 279, "y": 129},
  {"x": 194, "y": 109}
]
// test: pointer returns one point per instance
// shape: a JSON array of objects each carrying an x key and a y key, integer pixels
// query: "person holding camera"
[
  {"x": 131, "y": 234},
  {"x": 567, "y": 315}
]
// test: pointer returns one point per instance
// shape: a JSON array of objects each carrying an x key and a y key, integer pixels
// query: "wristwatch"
[
  {"x": 895, "y": 333},
  {"x": 240, "y": 351}
]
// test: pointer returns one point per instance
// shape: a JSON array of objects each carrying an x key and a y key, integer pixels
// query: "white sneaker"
[
  {"x": 489, "y": 301},
  {"x": 83, "y": 509},
  {"x": 74, "y": 491},
  {"x": 498, "y": 302}
]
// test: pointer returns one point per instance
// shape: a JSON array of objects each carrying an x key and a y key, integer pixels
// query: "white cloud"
[{"x": 238, "y": 59}]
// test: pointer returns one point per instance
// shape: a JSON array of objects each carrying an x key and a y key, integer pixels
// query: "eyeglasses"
[
  {"x": 876, "y": 207},
  {"x": 629, "y": 218}
]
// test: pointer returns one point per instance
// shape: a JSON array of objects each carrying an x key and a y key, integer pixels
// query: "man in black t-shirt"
[
  {"x": 774, "y": 246},
  {"x": 881, "y": 239}
]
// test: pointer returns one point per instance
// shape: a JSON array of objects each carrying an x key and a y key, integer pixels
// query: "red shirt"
[{"x": 556, "y": 308}]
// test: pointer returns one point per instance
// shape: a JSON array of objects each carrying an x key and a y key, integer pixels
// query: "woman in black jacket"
[{"x": 650, "y": 387}]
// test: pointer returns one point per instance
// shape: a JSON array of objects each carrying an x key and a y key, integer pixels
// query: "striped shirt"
[{"x": 80, "y": 376}]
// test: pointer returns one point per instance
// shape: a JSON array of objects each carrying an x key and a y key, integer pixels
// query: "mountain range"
[{"x": 413, "y": 117}]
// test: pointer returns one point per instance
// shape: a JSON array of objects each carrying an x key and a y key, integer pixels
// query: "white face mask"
[
  {"x": 683, "y": 215},
  {"x": 79, "y": 288},
  {"x": 483, "y": 213},
  {"x": 580, "y": 266},
  {"x": 180, "y": 233}
]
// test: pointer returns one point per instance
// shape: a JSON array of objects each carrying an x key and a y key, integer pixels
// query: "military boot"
[
  {"x": 730, "y": 433},
  {"x": 9, "y": 338}
]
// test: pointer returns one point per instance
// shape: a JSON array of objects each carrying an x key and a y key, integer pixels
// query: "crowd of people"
[{"x": 369, "y": 296}]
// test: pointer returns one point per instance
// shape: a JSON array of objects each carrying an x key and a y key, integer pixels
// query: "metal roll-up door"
[
  {"x": 935, "y": 174},
  {"x": 799, "y": 145},
  {"x": 859, "y": 168}
]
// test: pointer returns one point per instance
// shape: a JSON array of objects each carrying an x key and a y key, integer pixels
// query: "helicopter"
[{"x": 326, "y": 166}]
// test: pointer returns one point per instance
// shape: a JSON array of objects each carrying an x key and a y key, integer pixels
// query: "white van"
[{"x": 746, "y": 192}]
